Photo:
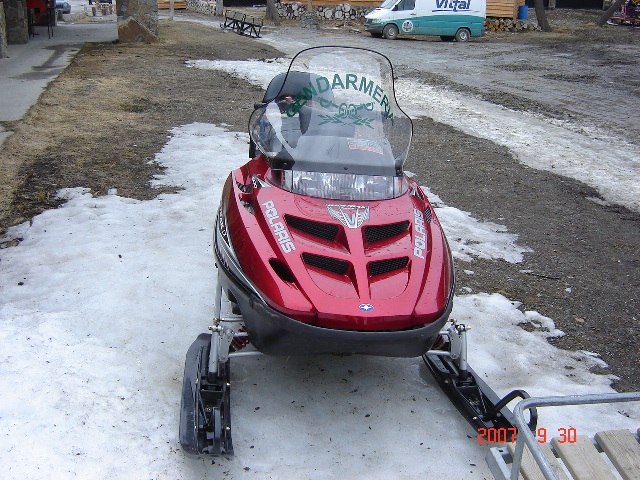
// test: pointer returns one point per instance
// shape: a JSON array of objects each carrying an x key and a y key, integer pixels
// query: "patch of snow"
[{"x": 103, "y": 296}]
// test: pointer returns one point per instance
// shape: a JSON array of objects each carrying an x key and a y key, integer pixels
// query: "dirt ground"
[{"x": 111, "y": 111}]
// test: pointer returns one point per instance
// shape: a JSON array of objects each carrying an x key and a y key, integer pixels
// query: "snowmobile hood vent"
[
  {"x": 377, "y": 233},
  {"x": 428, "y": 216},
  {"x": 385, "y": 266},
  {"x": 334, "y": 265},
  {"x": 326, "y": 231}
]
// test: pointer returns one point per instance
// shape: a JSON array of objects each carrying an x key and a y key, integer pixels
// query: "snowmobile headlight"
[{"x": 340, "y": 186}]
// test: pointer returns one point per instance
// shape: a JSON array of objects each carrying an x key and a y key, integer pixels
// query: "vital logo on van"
[{"x": 452, "y": 5}]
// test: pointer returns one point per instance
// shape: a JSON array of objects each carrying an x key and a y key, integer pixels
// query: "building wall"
[
  {"x": 17, "y": 25},
  {"x": 3, "y": 33},
  {"x": 137, "y": 21}
]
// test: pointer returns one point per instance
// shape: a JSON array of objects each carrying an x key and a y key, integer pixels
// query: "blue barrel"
[{"x": 523, "y": 13}]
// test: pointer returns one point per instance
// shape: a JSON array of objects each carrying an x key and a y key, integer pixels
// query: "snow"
[
  {"x": 609, "y": 165},
  {"x": 469, "y": 238},
  {"x": 102, "y": 297}
]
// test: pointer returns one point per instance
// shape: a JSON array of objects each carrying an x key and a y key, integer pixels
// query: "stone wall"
[
  {"x": 294, "y": 10},
  {"x": 343, "y": 11},
  {"x": 17, "y": 25},
  {"x": 3, "y": 33},
  {"x": 201, "y": 6},
  {"x": 137, "y": 21}
]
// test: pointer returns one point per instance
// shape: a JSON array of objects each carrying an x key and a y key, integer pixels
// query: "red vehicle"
[
  {"x": 323, "y": 244},
  {"x": 629, "y": 13}
]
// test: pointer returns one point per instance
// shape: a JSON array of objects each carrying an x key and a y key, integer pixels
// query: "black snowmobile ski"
[
  {"x": 205, "y": 418},
  {"x": 477, "y": 402}
]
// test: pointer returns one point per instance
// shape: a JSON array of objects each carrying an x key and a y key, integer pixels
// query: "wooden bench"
[
  {"x": 177, "y": 5},
  {"x": 242, "y": 23}
]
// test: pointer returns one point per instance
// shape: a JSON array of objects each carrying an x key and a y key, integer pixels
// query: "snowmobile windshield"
[{"x": 330, "y": 127}]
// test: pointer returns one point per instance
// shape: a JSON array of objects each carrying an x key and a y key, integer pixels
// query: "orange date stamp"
[{"x": 489, "y": 436}]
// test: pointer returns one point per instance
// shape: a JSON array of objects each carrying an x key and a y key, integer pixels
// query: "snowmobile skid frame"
[
  {"x": 479, "y": 404},
  {"x": 205, "y": 422},
  {"x": 205, "y": 418}
]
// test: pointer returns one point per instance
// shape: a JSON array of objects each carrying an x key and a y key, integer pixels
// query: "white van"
[{"x": 450, "y": 19}]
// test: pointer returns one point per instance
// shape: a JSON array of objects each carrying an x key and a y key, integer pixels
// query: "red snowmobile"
[{"x": 324, "y": 245}]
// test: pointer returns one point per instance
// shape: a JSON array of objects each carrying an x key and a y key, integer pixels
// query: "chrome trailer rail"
[{"x": 499, "y": 468}]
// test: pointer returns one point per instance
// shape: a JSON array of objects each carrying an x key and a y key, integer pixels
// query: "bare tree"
[
  {"x": 272, "y": 12},
  {"x": 541, "y": 16},
  {"x": 610, "y": 11}
]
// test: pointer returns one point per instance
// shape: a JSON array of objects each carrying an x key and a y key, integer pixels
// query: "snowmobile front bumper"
[{"x": 273, "y": 333}]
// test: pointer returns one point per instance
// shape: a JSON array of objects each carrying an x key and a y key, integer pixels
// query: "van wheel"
[
  {"x": 390, "y": 31},
  {"x": 463, "y": 35}
]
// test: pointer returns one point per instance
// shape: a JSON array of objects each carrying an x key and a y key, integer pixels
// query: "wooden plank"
[
  {"x": 177, "y": 4},
  {"x": 623, "y": 450},
  {"x": 500, "y": 8},
  {"x": 583, "y": 460},
  {"x": 503, "y": 8},
  {"x": 529, "y": 467},
  {"x": 500, "y": 13}
]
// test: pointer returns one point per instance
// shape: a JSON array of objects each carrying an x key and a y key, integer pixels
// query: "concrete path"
[{"x": 31, "y": 66}]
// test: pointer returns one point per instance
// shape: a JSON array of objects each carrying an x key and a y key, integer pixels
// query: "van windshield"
[
  {"x": 388, "y": 4},
  {"x": 405, "y": 5}
]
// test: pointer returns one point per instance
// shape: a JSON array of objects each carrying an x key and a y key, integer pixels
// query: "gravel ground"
[{"x": 111, "y": 110}]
